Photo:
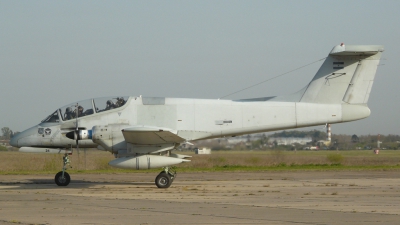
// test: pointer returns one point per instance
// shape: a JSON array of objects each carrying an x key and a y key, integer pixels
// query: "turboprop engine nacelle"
[
  {"x": 110, "y": 137},
  {"x": 144, "y": 162}
]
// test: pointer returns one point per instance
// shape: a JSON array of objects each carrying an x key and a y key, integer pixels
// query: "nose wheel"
[
  {"x": 62, "y": 178},
  {"x": 165, "y": 178}
]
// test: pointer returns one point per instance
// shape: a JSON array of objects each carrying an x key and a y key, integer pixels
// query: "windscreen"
[
  {"x": 108, "y": 103},
  {"x": 52, "y": 118}
]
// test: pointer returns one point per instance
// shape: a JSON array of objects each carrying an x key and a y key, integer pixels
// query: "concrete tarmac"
[{"x": 348, "y": 197}]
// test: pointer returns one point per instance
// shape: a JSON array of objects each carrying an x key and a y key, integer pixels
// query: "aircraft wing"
[{"x": 142, "y": 135}]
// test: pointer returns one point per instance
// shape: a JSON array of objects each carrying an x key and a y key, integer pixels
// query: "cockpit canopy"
[{"x": 85, "y": 108}]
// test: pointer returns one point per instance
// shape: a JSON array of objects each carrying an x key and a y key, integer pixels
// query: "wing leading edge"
[{"x": 151, "y": 136}]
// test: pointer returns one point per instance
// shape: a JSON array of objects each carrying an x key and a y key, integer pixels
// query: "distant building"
[
  {"x": 237, "y": 140},
  {"x": 4, "y": 142},
  {"x": 290, "y": 140},
  {"x": 203, "y": 151},
  {"x": 244, "y": 138}
]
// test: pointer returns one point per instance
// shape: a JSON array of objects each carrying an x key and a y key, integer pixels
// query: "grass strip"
[{"x": 226, "y": 168}]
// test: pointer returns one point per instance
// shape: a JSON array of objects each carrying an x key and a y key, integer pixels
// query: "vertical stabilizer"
[{"x": 346, "y": 76}]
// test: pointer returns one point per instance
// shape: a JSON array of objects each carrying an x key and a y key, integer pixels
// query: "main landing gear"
[
  {"x": 163, "y": 180},
  {"x": 166, "y": 177},
  {"x": 62, "y": 178}
]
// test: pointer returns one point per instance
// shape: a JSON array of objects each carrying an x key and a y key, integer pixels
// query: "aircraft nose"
[{"x": 23, "y": 136}]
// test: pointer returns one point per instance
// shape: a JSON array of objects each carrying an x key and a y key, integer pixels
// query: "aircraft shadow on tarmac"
[{"x": 75, "y": 184}]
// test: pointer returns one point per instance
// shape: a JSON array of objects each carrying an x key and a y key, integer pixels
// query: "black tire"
[
  {"x": 163, "y": 180},
  {"x": 60, "y": 181}
]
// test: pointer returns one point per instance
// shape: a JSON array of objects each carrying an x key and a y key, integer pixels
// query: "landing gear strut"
[
  {"x": 166, "y": 177},
  {"x": 62, "y": 178}
]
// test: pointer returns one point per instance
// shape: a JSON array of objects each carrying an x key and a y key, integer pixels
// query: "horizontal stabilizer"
[{"x": 356, "y": 50}]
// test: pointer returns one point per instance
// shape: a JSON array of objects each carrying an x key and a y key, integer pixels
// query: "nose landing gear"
[{"x": 62, "y": 178}]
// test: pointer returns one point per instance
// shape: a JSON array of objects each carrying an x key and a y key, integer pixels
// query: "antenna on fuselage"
[{"x": 261, "y": 82}]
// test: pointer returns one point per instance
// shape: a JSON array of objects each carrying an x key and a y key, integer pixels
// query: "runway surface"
[{"x": 204, "y": 198}]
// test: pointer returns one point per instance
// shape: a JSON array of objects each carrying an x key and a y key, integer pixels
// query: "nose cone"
[{"x": 23, "y": 138}]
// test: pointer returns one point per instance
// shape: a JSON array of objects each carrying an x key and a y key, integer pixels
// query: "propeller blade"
[
  {"x": 77, "y": 145},
  {"x": 84, "y": 151},
  {"x": 76, "y": 124},
  {"x": 77, "y": 132},
  {"x": 76, "y": 117}
]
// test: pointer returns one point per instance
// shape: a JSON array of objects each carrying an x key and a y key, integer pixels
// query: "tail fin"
[{"x": 346, "y": 76}]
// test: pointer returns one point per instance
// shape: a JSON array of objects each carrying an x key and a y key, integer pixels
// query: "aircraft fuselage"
[{"x": 195, "y": 119}]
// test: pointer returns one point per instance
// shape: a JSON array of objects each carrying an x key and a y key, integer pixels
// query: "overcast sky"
[{"x": 53, "y": 53}]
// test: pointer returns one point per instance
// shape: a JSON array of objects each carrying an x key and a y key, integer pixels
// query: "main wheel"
[
  {"x": 163, "y": 180},
  {"x": 62, "y": 181}
]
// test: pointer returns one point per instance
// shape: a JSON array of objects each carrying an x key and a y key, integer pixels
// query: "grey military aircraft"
[{"x": 142, "y": 132}]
